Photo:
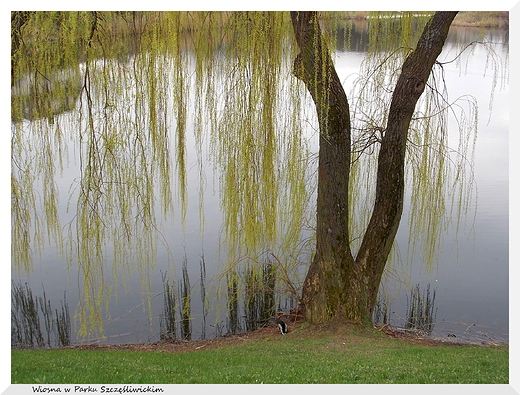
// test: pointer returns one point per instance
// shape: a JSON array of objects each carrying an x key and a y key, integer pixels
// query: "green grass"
[{"x": 295, "y": 358}]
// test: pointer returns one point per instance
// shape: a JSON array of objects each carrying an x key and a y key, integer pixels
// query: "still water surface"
[{"x": 470, "y": 276}]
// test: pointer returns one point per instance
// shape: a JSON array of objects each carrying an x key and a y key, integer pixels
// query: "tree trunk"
[
  {"x": 327, "y": 278},
  {"x": 338, "y": 285}
]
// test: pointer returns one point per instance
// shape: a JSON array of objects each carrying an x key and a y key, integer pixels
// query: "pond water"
[{"x": 469, "y": 277}]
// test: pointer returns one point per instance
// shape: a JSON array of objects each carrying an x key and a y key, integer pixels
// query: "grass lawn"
[{"x": 305, "y": 355}]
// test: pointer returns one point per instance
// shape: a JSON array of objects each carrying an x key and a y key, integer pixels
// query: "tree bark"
[
  {"x": 327, "y": 277},
  {"x": 338, "y": 285}
]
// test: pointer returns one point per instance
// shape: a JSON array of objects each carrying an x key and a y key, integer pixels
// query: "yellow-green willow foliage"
[
  {"x": 247, "y": 100},
  {"x": 258, "y": 140},
  {"x": 46, "y": 82},
  {"x": 127, "y": 81},
  {"x": 119, "y": 121}
]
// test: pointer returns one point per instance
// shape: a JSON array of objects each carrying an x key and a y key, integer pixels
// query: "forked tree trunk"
[{"x": 338, "y": 285}]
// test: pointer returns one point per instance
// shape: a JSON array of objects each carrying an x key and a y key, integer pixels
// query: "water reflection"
[{"x": 47, "y": 96}]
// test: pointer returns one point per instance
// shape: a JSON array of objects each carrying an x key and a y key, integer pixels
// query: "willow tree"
[
  {"x": 337, "y": 283},
  {"x": 124, "y": 85}
]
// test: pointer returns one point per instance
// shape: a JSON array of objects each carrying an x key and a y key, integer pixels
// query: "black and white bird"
[{"x": 282, "y": 326}]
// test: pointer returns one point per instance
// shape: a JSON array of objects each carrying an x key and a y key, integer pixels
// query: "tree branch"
[{"x": 388, "y": 206}]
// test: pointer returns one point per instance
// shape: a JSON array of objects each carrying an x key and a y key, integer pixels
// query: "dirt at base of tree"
[
  {"x": 182, "y": 346},
  {"x": 263, "y": 334}
]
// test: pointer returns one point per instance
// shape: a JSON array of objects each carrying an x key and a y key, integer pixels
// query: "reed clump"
[{"x": 33, "y": 322}]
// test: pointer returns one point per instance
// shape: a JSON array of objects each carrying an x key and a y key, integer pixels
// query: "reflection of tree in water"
[{"x": 46, "y": 96}]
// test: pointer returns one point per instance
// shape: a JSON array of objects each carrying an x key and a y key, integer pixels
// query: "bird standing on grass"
[{"x": 283, "y": 327}]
